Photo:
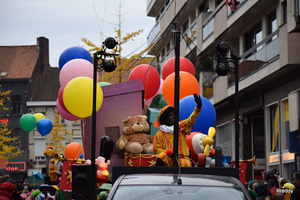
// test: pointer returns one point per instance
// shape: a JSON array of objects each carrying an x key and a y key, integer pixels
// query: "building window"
[
  {"x": 224, "y": 138},
  {"x": 157, "y": 17},
  {"x": 167, "y": 2},
  {"x": 16, "y": 104},
  {"x": 284, "y": 12},
  {"x": 204, "y": 7},
  {"x": 163, "y": 53},
  {"x": 253, "y": 37},
  {"x": 285, "y": 123},
  {"x": 272, "y": 24},
  {"x": 162, "y": 10},
  {"x": 274, "y": 128},
  {"x": 185, "y": 26},
  {"x": 258, "y": 136},
  {"x": 39, "y": 147},
  {"x": 168, "y": 47},
  {"x": 218, "y": 2}
]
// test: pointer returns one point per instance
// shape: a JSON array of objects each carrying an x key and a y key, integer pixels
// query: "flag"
[{"x": 273, "y": 190}]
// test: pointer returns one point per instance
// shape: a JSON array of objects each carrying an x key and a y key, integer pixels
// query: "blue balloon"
[
  {"x": 44, "y": 126},
  {"x": 205, "y": 120},
  {"x": 81, "y": 155},
  {"x": 73, "y": 53}
]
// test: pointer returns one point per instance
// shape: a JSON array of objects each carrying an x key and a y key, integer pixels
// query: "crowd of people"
[
  {"x": 8, "y": 191},
  {"x": 274, "y": 188}
]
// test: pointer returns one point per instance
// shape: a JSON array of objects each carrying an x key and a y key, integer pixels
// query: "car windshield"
[{"x": 177, "y": 192}]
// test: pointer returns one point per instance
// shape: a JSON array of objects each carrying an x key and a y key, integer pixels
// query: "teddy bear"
[{"x": 135, "y": 139}]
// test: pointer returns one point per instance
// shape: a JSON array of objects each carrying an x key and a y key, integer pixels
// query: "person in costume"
[
  {"x": 163, "y": 139},
  {"x": 52, "y": 171},
  {"x": 44, "y": 192},
  {"x": 6, "y": 189}
]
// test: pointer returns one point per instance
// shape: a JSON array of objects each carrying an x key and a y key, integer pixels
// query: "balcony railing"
[
  {"x": 229, "y": 12},
  {"x": 153, "y": 33},
  {"x": 254, "y": 59}
]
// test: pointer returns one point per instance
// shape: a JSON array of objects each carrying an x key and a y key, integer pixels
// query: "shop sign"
[
  {"x": 273, "y": 158},
  {"x": 16, "y": 166}
]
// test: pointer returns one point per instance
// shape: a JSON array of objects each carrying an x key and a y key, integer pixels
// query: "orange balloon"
[
  {"x": 73, "y": 151},
  {"x": 188, "y": 85}
]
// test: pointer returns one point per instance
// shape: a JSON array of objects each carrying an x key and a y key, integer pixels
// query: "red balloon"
[
  {"x": 150, "y": 76},
  {"x": 60, "y": 99},
  {"x": 184, "y": 65}
]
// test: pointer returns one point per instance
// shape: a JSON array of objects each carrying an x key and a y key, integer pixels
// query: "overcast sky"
[{"x": 65, "y": 22}]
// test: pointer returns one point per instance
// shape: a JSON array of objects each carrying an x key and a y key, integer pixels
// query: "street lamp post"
[
  {"x": 107, "y": 66},
  {"x": 227, "y": 61}
]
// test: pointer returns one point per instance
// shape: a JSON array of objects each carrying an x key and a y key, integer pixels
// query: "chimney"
[{"x": 43, "y": 47}]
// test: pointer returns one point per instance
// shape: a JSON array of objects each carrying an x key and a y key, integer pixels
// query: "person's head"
[
  {"x": 254, "y": 185},
  {"x": 4, "y": 178},
  {"x": 282, "y": 182},
  {"x": 52, "y": 189},
  {"x": 296, "y": 179},
  {"x": 250, "y": 184},
  {"x": 269, "y": 197},
  {"x": 44, "y": 188},
  {"x": 166, "y": 116}
]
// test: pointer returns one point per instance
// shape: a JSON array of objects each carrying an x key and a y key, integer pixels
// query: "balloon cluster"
[
  {"x": 75, "y": 96},
  {"x": 28, "y": 122},
  {"x": 160, "y": 92}
]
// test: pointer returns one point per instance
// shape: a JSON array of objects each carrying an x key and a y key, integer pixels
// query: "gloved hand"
[
  {"x": 198, "y": 101},
  {"x": 169, "y": 152}
]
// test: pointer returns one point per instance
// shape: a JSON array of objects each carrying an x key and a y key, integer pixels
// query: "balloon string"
[
  {"x": 83, "y": 125},
  {"x": 147, "y": 79}
]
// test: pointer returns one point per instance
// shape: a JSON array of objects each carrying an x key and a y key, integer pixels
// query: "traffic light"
[{"x": 81, "y": 181}]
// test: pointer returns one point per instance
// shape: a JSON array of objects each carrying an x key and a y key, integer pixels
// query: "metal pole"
[
  {"x": 93, "y": 166},
  {"x": 237, "y": 127},
  {"x": 176, "y": 95}
]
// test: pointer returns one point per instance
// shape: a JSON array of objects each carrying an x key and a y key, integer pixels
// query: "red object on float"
[{"x": 146, "y": 160}]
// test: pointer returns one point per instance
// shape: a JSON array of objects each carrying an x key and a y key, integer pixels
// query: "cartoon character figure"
[
  {"x": 102, "y": 172},
  {"x": 52, "y": 171}
]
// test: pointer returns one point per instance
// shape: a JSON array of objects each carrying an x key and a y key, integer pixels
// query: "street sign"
[{"x": 25, "y": 182}]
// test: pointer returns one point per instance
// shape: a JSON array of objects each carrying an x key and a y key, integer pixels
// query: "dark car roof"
[{"x": 187, "y": 179}]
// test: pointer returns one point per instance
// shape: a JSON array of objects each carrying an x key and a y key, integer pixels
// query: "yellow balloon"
[
  {"x": 39, "y": 116},
  {"x": 78, "y": 96}
]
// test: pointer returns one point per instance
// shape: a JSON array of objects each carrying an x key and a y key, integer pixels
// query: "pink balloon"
[
  {"x": 65, "y": 114},
  {"x": 75, "y": 68},
  {"x": 159, "y": 91}
]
